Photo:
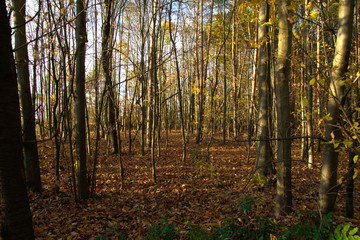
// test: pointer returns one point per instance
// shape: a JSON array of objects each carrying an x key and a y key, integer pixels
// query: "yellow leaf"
[
  {"x": 312, "y": 82},
  {"x": 355, "y": 159},
  {"x": 340, "y": 180},
  {"x": 272, "y": 237},
  {"x": 304, "y": 102}
]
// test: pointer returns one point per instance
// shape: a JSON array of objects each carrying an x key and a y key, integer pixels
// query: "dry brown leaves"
[{"x": 204, "y": 190}]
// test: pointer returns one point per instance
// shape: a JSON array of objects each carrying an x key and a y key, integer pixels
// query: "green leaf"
[
  {"x": 346, "y": 228},
  {"x": 328, "y": 117},
  {"x": 341, "y": 83},
  {"x": 353, "y": 231},
  {"x": 347, "y": 142},
  {"x": 304, "y": 102}
]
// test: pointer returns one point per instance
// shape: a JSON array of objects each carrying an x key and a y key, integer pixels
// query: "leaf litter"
[{"x": 205, "y": 190}]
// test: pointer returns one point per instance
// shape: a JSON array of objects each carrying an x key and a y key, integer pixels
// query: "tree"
[
  {"x": 201, "y": 78},
  {"x": 16, "y": 221},
  {"x": 328, "y": 182},
  {"x": 80, "y": 102},
  {"x": 180, "y": 98},
  {"x": 283, "y": 199},
  {"x": 106, "y": 56},
  {"x": 263, "y": 154},
  {"x": 31, "y": 158}
]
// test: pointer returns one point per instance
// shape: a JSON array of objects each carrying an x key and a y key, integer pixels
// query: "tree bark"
[
  {"x": 200, "y": 113},
  {"x": 106, "y": 56},
  {"x": 152, "y": 73},
  {"x": 263, "y": 154},
  {"x": 283, "y": 201},
  {"x": 328, "y": 181},
  {"x": 234, "y": 69},
  {"x": 180, "y": 98},
  {"x": 80, "y": 103},
  {"x": 31, "y": 157},
  {"x": 15, "y": 215}
]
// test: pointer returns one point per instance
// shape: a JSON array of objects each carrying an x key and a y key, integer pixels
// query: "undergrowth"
[{"x": 262, "y": 228}]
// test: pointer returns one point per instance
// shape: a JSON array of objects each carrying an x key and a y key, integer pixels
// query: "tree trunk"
[
  {"x": 263, "y": 154},
  {"x": 283, "y": 200},
  {"x": 106, "y": 56},
  {"x": 180, "y": 98},
  {"x": 224, "y": 77},
  {"x": 328, "y": 181},
  {"x": 31, "y": 158},
  {"x": 80, "y": 103},
  {"x": 152, "y": 73},
  {"x": 200, "y": 114},
  {"x": 234, "y": 70},
  {"x": 15, "y": 215}
]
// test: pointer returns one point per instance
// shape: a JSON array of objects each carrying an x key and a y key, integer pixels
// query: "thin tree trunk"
[
  {"x": 200, "y": 114},
  {"x": 31, "y": 157},
  {"x": 224, "y": 77},
  {"x": 235, "y": 69},
  {"x": 178, "y": 86},
  {"x": 80, "y": 103}
]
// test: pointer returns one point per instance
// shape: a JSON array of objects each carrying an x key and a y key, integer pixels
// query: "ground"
[{"x": 205, "y": 190}]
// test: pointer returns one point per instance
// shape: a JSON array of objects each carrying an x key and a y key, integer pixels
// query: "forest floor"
[{"x": 203, "y": 191}]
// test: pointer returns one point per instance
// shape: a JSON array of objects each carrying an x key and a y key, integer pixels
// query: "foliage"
[
  {"x": 162, "y": 230},
  {"x": 245, "y": 206},
  {"x": 196, "y": 233},
  {"x": 312, "y": 227},
  {"x": 199, "y": 159},
  {"x": 342, "y": 232},
  {"x": 202, "y": 161}
]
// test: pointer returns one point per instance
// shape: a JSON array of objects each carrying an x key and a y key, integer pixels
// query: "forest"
[{"x": 179, "y": 119}]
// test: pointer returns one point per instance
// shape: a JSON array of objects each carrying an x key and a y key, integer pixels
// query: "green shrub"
[
  {"x": 311, "y": 227},
  {"x": 343, "y": 233},
  {"x": 196, "y": 233},
  {"x": 162, "y": 230}
]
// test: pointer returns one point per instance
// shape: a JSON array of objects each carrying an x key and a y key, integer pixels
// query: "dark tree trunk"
[
  {"x": 106, "y": 62},
  {"x": 80, "y": 103},
  {"x": 15, "y": 215}
]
